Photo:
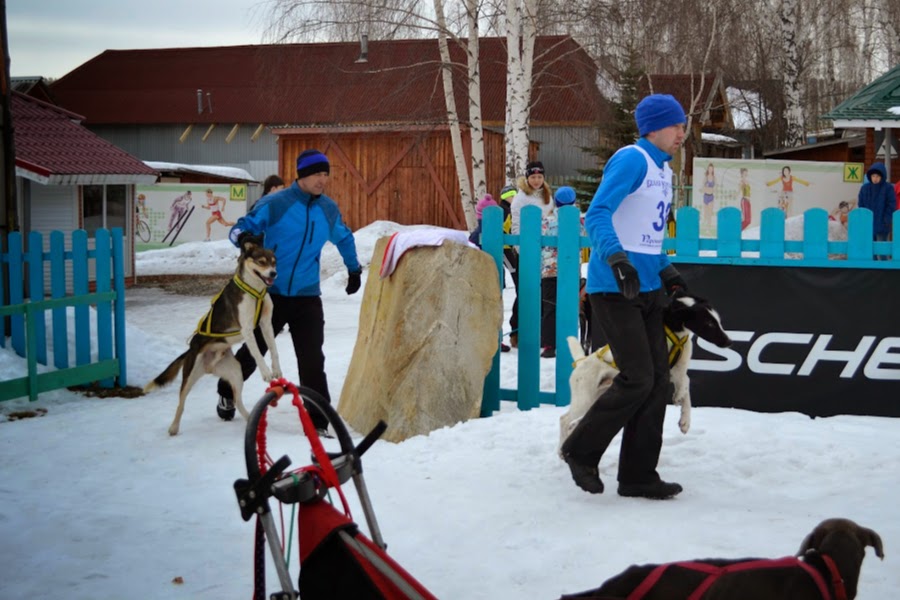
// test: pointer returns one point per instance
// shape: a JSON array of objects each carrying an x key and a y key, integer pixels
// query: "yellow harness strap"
[
  {"x": 204, "y": 327},
  {"x": 675, "y": 344}
]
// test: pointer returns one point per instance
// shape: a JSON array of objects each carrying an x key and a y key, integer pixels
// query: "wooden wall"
[
  {"x": 407, "y": 176},
  {"x": 871, "y": 158}
]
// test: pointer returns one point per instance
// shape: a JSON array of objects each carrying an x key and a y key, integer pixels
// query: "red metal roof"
[
  {"x": 320, "y": 84},
  {"x": 52, "y": 147}
]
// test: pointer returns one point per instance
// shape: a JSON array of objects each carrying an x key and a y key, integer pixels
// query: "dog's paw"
[
  {"x": 684, "y": 423},
  {"x": 276, "y": 373},
  {"x": 266, "y": 374},
  {"x": 173, "y": 429}
]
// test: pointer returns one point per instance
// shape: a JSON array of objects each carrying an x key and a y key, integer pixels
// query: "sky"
[
  {"x": 98, "y": 500},
  {"x": 52, "y": 37}
]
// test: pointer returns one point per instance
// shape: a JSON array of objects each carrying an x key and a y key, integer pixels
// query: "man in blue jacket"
[
  {"x": 626, "y": 276},
  {"x": 296, "y": 222}
]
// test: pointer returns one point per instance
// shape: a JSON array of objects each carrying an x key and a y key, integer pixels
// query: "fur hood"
[{"x": 522, "y": 183}]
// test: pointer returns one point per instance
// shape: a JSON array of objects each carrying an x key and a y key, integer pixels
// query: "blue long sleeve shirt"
[
  {"x": 623, "y": 174},
  {"x": 296, "y": 226}
]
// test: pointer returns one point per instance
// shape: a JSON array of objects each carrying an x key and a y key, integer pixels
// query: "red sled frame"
[{"x": 336, "y": 560}]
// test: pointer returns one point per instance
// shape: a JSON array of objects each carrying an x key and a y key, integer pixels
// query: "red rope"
[{"x": 325, "y": 469}]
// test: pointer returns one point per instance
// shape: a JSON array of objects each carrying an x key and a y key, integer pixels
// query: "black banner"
[{"x": 817, "y": 341}]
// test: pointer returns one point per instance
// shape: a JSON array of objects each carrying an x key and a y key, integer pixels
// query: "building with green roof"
[{"x": 875, "y": 109}]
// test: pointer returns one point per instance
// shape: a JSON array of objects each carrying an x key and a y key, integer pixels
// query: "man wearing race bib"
[{"x": 628, "y": 277}]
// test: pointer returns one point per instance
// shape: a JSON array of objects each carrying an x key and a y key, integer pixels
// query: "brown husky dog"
[{"x": 236, "y": 311}]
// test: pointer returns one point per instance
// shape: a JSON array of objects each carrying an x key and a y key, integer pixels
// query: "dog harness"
[
  {"x": 204, "y": 327},
  {"x": 675, "y": 343},
  {"x": 714, "y": 572}
]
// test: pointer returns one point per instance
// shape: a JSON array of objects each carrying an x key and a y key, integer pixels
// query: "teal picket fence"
[
  {"x": 33, "y": 320},
  {"x": 728, "y": 247}
]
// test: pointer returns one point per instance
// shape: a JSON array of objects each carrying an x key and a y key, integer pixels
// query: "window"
[{"x": 103, "y": 206}]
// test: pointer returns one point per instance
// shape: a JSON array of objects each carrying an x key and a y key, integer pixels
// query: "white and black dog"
[
  {"x": 593, "y": 374},
  {"x": 236, "y": 310}
]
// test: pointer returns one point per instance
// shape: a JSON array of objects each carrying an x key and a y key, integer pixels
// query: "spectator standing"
[
  {"x": 532, "y": 191},
  {"x": 475, "y": 236},
  {"x": 564, "y": 196},
  {"x": 273, "y": 183},
  {"x": 878, "y": 196},
  {"x": 510, "y": 254}
]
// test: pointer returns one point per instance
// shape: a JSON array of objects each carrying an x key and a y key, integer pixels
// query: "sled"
[{"x": 336, "y": 561}]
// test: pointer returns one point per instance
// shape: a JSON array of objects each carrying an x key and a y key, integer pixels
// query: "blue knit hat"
[
  {"x": 658, "y": 111},
  {"x": 311, "y": 162},
  {"x": 564, "y": 196}
]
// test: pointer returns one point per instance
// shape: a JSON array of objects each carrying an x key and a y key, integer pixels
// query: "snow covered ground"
[{"x": 98, "y": 502}]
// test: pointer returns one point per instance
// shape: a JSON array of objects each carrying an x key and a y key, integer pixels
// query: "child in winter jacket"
[
  {"x": 475, "y": 236},
  {"x": 565, "y": 196},
  {"x": 878, "y": 196}
]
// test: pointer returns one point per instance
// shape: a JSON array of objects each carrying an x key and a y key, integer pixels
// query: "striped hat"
[{"x": 311, "y": 162}]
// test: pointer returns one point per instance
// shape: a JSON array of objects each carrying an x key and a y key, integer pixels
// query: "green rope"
[{"x": 290, "y": 536}]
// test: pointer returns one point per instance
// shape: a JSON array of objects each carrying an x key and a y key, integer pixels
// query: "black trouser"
[
  {"x": 306, "y": 322},
  {"x": 548, "y": 312},
  {"x": 636, "y": 400},
  {"x": 512, "y": 257}
]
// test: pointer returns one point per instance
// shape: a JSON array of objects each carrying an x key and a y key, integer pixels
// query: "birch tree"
[
  {"x": 520, "y": 39},
  {"x": 476, "y": 128},
  {"x": 790, "y": 69},
  {"x": 462, "y": 172}
]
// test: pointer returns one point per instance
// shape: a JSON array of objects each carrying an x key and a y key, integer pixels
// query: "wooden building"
[
  {"x": 67, "y": 178},
  {"x": 377, "y": 110}
]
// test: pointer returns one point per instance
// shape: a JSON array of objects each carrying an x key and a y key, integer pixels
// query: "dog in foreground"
[
  {"x": 593, "y": 374},
  {"x": 828, "y": 566},
  {"x": 236, "y": 311}
]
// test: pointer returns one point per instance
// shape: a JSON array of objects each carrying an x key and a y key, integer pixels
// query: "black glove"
[
  {"x": 672, "y": 280},
  {"x": 354, "y": 280},
  {"x": 626, "y": 275}
]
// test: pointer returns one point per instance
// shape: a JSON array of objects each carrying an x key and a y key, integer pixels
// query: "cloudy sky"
[{"x": 53, "y": 37}]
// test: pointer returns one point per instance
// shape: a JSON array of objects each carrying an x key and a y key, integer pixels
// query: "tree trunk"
[
  {"x": 462, "y": 173},
  {"x": 520, "y": 39},
  {"x": 793, "y": 113},
  {"x": 476, "y": 130}
]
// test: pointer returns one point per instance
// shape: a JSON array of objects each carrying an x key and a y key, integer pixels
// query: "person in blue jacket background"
[
  {"x": 626, "y": 276},
  {"x": 877, "y": 194},
  {"x": 296, "y": 222}
]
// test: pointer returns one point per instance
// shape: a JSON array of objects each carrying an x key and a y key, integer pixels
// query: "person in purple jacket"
[{"x": 628, "y": 277}]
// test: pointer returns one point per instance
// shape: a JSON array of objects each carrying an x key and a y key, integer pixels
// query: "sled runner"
[{"x": 336, "y": 560}]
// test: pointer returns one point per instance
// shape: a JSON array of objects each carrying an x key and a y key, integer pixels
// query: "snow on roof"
[
  {"x": 894, "y": 110},
  {"x": 747, "y": 110},
  {"x": 218, "y": 171},
  {"x": 716, "y": 138}
]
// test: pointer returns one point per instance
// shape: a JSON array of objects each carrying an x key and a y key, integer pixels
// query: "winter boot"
[{"x": 225, "y": 408}]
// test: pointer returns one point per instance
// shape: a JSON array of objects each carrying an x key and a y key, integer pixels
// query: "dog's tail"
[
  {"x": 167, "y": 376},
  {"x": 575, "y": 347}
]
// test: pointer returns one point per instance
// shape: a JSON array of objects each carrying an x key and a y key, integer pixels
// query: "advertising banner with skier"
[{"x": 170, "y": 213}]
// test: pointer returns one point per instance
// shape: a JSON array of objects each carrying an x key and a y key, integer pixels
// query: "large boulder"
[{"x": 427, "y": 334}]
